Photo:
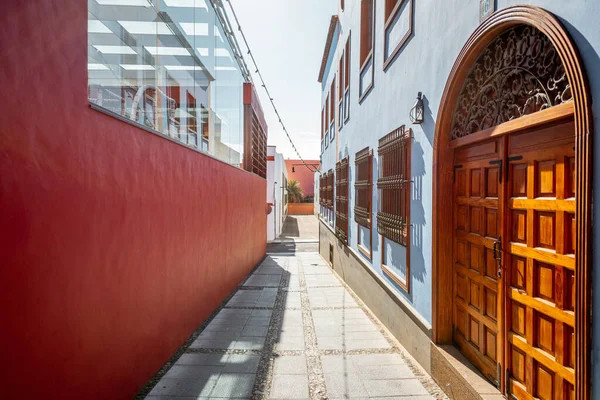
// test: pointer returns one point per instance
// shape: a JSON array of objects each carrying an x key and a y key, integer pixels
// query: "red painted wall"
[
  {"x": 115, "y": 243},
  {"x": 303, "y": 175}
]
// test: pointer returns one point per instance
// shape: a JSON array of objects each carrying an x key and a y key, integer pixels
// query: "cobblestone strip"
[
  {"x": 264, "y": 373},
  {"x": 316, "y": 379}
]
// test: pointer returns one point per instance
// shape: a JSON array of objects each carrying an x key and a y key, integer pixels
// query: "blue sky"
[{"x": 287, "y": 38}]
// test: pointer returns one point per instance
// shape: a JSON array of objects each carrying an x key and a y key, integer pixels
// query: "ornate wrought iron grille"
[{"x": 519, "y": 73}]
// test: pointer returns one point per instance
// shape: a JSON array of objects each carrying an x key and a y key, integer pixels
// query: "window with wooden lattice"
[
  {"x": 323, "y": 190},
  {"x": 363, "y": 197},
  {"x": 363, "y": 184},
  {"x": 393, "y": 216},
  {"x": 329, "y": 189},
  {"x": 259, "y": 148},
  {"x": 255, "y": 133},
  {"x": 341, "y": 200}
]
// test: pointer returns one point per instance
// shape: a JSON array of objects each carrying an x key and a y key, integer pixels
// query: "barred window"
[
  {"x": 329, "y": 203},
  {"x": 393, "y": 218},
  {"x": 362, "y": 186},
  {"x": 341, "y": 200},
  {"x": 323, "y": 190}
]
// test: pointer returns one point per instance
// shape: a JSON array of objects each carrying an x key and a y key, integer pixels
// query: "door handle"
[{"x": 498, "y": 255}]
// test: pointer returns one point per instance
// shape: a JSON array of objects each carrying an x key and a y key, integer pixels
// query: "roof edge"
[{"x": 332, "y": 25}]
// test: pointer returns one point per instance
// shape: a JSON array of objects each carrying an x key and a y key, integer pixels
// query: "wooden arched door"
[{"x": 519, "y": 218}]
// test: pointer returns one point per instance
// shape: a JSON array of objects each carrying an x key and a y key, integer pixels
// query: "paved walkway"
[
  {"x": 303, "y": 227},
  {"x": 300, "y": 233},
  {"x": 292, "y": 330}
]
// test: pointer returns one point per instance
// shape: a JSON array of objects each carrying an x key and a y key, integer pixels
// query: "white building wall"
[{"x": 276, "y": 184}]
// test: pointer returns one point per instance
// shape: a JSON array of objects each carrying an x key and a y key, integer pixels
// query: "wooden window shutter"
[
  {"x": 341, "y": 200},
  {"x": 393, "y": 216},
  {"x": 363, "y": 185}
]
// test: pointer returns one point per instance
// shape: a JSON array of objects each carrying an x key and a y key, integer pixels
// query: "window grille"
[
  {"x": 341, "y": 200},
  {"x": 255, "y": 134},
  {"x": 323, "y": 190},
  {"x": 259, "y": 148},
  {"x": 363, "y": 185},
  {"x": 393, "y": 217},
  {"x": 329, "y": 188}
]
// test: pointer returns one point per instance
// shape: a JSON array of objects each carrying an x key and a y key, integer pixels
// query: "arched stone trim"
[{"x": 443, "y": 175}]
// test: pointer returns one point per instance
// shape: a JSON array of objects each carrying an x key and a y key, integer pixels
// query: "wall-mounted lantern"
[
  {"x": 315, "y": 166},
  {"x": 417, "y": 112}
]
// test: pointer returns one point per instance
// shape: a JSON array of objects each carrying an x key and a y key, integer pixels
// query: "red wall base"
[{"x": 116, "y": 243}]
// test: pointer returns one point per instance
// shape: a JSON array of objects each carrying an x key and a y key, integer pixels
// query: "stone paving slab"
[
  {"x": 292, "y": 330},
  {"x": 292, "y": 300},
  {"x": 322, "y": 280},
  {"x": 253, "y": 298},
  {"x": 264, "y": 280},
  {"x": 289, "y": 387}
]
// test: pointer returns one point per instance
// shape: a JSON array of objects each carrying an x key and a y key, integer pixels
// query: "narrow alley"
[
  {"x": 300, "y": 199},
  {"x": 291, "y": 330}
]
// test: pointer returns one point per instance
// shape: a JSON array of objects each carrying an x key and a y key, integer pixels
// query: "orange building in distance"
[{"x": 305, "y": 176}]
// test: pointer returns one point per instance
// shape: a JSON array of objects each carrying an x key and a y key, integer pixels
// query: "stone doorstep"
[{"x": 457, "y": 377}]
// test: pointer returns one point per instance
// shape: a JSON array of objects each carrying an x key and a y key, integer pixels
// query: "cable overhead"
[{"x": 264, "y": 85}]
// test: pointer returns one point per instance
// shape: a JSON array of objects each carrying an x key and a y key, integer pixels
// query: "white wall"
[{"x": 276, "y": 176}]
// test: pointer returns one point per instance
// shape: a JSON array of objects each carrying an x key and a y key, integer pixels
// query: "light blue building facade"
[{"x": 415, "y": 46}]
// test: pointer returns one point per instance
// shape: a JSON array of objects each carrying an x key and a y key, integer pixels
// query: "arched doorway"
[{"x": 512, "y": 249}]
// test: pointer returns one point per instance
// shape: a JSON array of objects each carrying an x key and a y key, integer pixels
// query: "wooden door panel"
[
  {"x": 477, "y": 225},
  {"x": 540, "y": 262}
]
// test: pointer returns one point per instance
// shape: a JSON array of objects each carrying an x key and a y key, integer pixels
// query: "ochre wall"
[
  {"x": 302, "y": 174},
  {"x": 301, "y": 208},
  {"x": 115, "y": 243}
]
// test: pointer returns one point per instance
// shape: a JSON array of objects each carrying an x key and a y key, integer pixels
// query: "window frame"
[
  {"x": 347, "y": 69},
  {"x": 332, "y": 106},
  {"x": 364, "y": 59},
  {"x": 322, "y": 122},
  {"x": 390, "y": 16},
  {"x": 327, "y": 121},
  {"x": 394, "y": 224},
  {"x": 322, "y": 190},
  {"x": 342, "y": 180},
  {"x": 363, "y": 214},
  {"x": 342, "y": 78},
  {"x": 330, "y": 190}
]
